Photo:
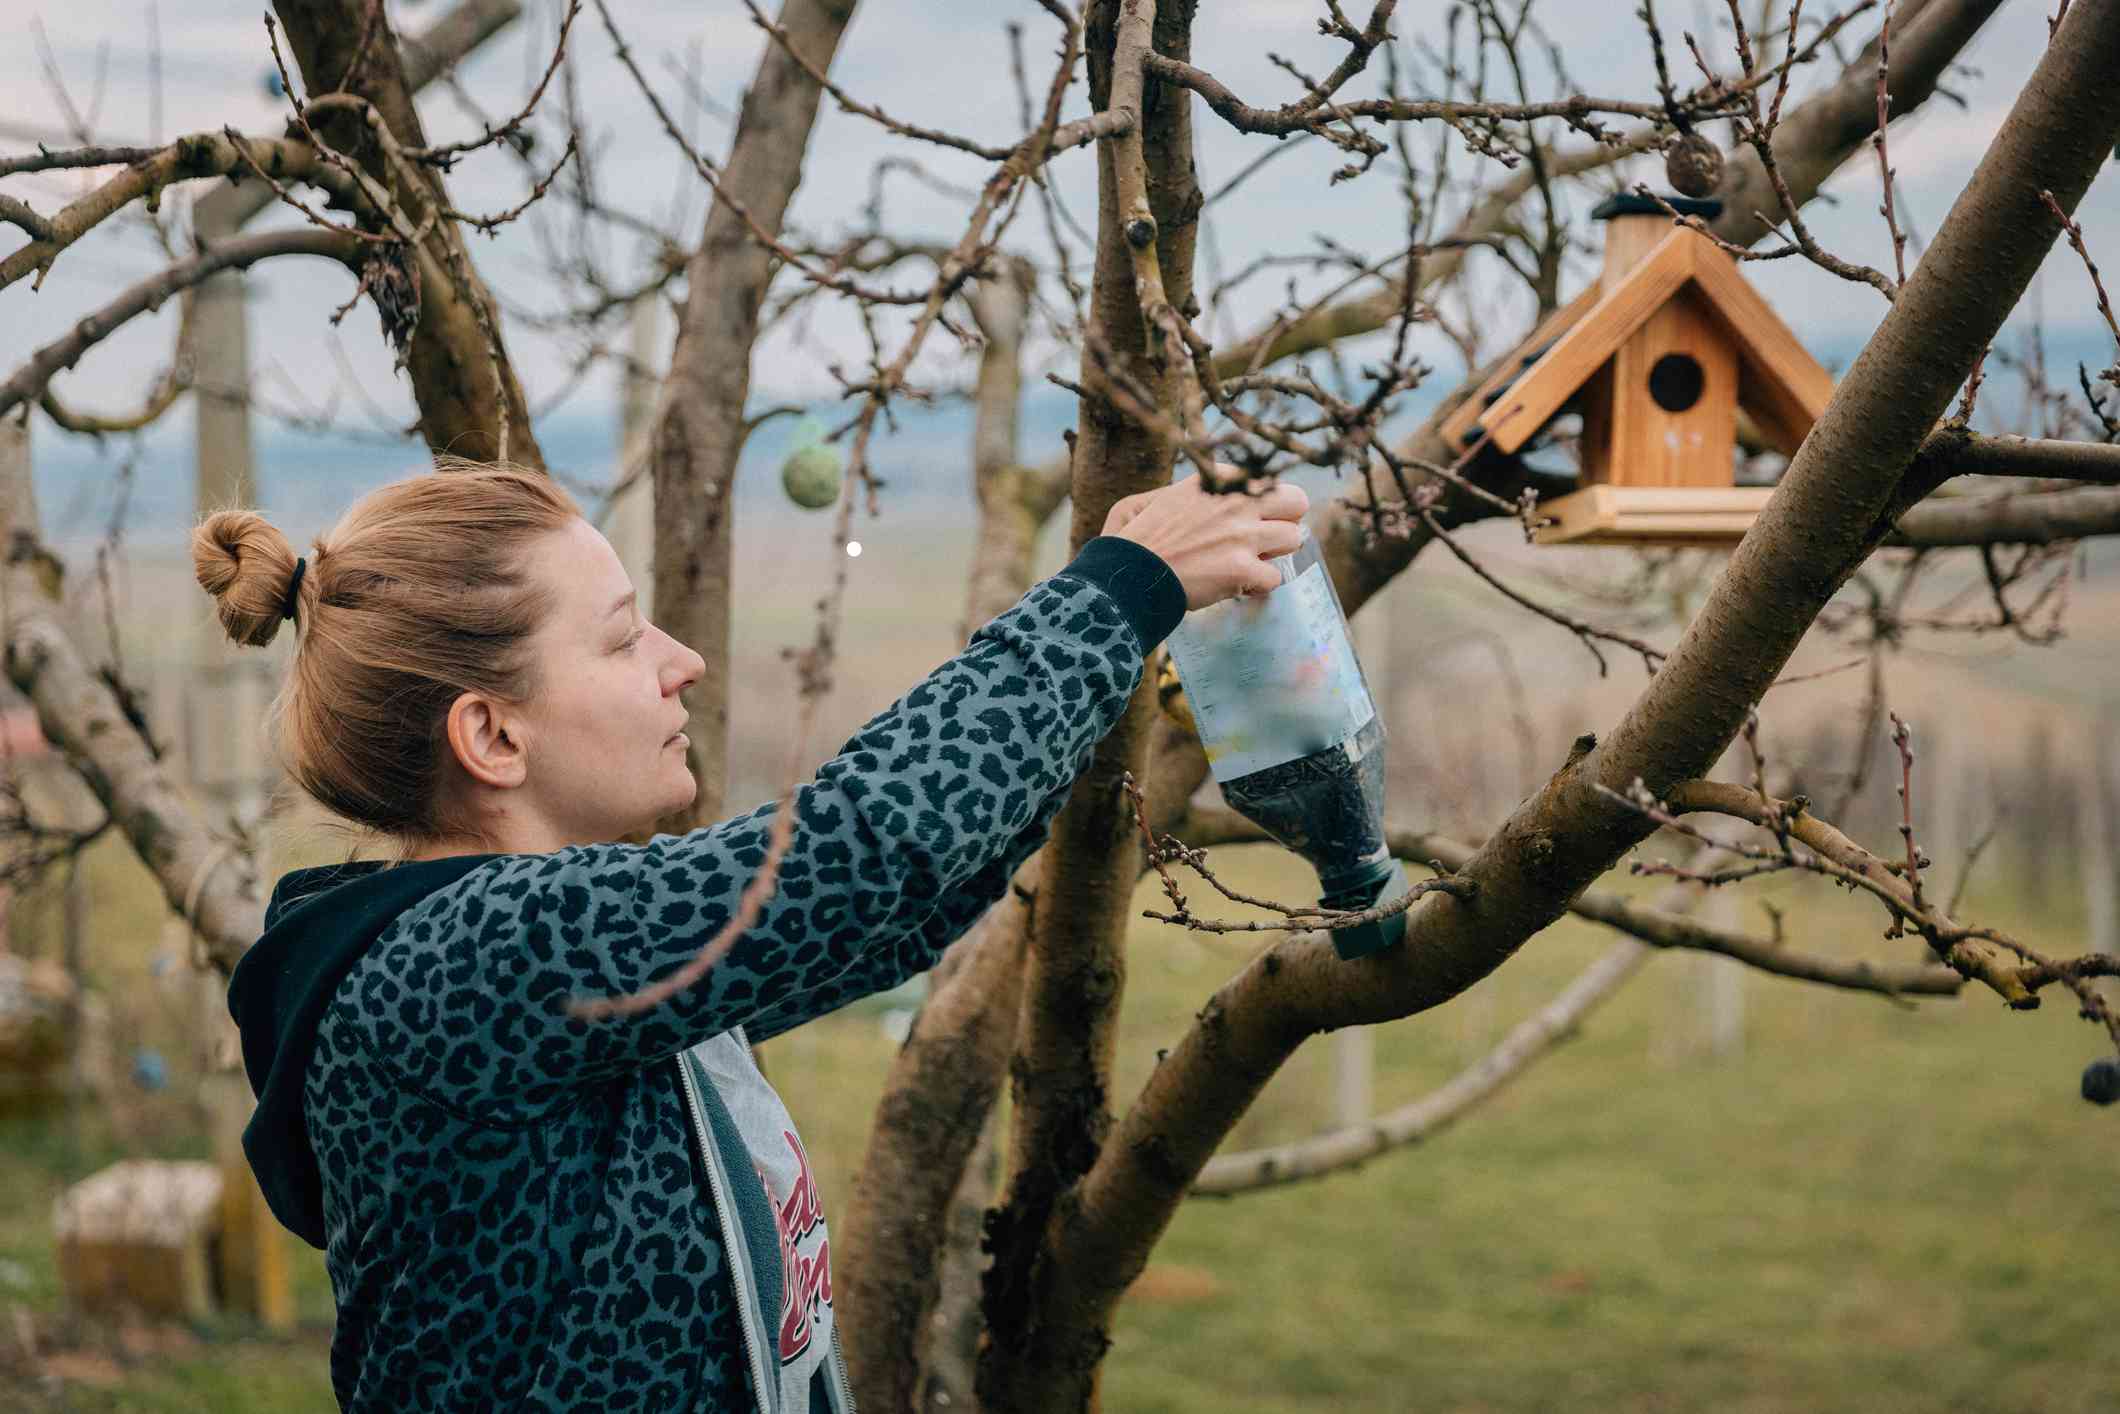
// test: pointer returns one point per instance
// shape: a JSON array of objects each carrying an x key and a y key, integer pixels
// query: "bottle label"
[{"x": 1271, "y": 679}]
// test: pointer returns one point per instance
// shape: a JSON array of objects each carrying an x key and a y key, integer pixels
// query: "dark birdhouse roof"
[{"x": 1627, "y": 203}]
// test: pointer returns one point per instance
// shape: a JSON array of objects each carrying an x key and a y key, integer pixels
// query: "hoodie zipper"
[
  {"x": 839, "y": 1369},
  {"x": 722, "y": 1216}
]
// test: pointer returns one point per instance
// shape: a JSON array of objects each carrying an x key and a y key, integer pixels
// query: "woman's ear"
[{"x": 487, "y": 742}]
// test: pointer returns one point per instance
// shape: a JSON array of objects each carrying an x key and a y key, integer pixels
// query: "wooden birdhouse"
[{"x": 1660, "y": 357}]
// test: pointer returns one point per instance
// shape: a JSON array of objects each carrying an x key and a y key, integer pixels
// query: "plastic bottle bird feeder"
[
  {"x": 1294, "y": 739},
  {"x": 1660, "y": 357}
]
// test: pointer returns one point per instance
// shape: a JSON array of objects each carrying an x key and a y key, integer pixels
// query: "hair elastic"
[{"x": 294, "y": 588}]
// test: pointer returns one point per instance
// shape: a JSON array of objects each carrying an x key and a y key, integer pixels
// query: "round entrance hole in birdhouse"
[{"x": 1676, "y": 382}]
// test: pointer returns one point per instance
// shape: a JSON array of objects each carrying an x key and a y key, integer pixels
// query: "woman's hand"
[{"x": 1217, "y": 545}]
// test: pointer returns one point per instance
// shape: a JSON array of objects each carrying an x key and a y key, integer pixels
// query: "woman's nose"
[{"x": 685, "y": 668}]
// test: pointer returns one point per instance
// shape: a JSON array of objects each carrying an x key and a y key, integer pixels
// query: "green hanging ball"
[{"x": 811, "y": 476}]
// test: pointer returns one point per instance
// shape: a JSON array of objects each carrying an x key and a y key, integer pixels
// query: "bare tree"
[{"x": 1033, "y": 995}]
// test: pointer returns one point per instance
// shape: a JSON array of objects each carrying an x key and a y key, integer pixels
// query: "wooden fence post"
[
  {"x": 629, "y": 522},
  {"x": 226, "y": 693},
  {"x": 2099, "y": 804}
]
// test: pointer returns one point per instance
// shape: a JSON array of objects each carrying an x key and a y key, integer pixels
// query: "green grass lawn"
[{"x": 1866, "y": 1208}]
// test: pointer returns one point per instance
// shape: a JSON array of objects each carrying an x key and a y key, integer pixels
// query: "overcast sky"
[{"x": 941, "y": 62}]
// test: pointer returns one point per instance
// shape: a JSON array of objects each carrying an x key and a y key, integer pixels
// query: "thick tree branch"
[
  {"x": 2038, "y": 518},
  {"x": 2034, "y": 458},
  {"x": 197, "y": 155},
  {"x": 29, "y": 381},
  {"x": 1660, "y": 925},
  {"x": 205, "y": 879},
  {"x": 427, "y": 55},
  {"x": 471, "y": 402},
  {"x": 1076, "y": 963}
]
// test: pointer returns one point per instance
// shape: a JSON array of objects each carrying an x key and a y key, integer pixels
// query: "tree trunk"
[
  {"x": 910, "y": 1249},
  {"x": 1009, "y": 518},
  {"x": 1076, "y": 969},
  {"x": 700, "y": 428},
  {"x": 949, "y": 1367},
  {"x": 925, "y": 1130},
  {"x": 230, "y": 206}
]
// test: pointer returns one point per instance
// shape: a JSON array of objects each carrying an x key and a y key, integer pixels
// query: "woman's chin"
[
  {"x": 676, "y": 798},
  {"x": 684, "y": 789}
]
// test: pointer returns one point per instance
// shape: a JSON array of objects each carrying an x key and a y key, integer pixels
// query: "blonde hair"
[{"x": 417, "y": 595}]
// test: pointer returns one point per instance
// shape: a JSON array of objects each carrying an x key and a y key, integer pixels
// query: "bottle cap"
[{"x": 1364, "y": 887}]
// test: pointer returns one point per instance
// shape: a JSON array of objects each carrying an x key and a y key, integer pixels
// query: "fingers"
[
  {"x": 1124, "y": 510},
  {"x": 1218, "y": 544},
  {"x": 1283, "y": 501},
  {"x": 1279, "y": 537},
  {"x": 1258, "y": 577}
]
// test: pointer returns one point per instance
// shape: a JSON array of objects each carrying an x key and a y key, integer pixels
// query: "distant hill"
[{"x": 305, "y": 478}]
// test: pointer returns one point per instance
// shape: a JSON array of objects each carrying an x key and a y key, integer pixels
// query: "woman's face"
[{"x": 603, "y": 730}]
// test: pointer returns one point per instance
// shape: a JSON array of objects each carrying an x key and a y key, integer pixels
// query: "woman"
[{"x": 522, "y": 1208}]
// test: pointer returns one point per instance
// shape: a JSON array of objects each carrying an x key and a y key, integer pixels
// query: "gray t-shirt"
[{"x": 801, "y": 1339}]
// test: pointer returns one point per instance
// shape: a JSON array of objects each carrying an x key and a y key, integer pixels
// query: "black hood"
[{"x": 318, "y": 925}]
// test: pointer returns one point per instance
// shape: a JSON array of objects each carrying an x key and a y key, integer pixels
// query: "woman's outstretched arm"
[{"x": 900, "y": 842}]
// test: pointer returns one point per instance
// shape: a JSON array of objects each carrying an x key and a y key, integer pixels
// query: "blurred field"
[
  {"x": 1867, "y": 1209},
  {"x": 1864, "y": 1208}
]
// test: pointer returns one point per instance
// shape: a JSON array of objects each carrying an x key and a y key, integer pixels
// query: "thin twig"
[{"x": 1884, "y": 161}]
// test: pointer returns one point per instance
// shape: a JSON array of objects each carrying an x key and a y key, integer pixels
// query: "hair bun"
[{"x": 248, "y": 566}]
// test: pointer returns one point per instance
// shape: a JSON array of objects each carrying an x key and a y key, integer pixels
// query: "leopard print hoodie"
[{"x": 522, "y": 1209}]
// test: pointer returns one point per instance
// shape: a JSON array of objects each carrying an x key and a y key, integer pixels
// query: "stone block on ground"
[{"x": 139, "y": 1236}]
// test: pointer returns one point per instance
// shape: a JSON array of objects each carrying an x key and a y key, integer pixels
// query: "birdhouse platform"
[
  {"x": 1661, "y": 357},
  {"x": 1702, "y": 516}
]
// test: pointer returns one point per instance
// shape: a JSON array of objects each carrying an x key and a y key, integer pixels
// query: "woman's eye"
[{"x": 632, "y": 640}]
